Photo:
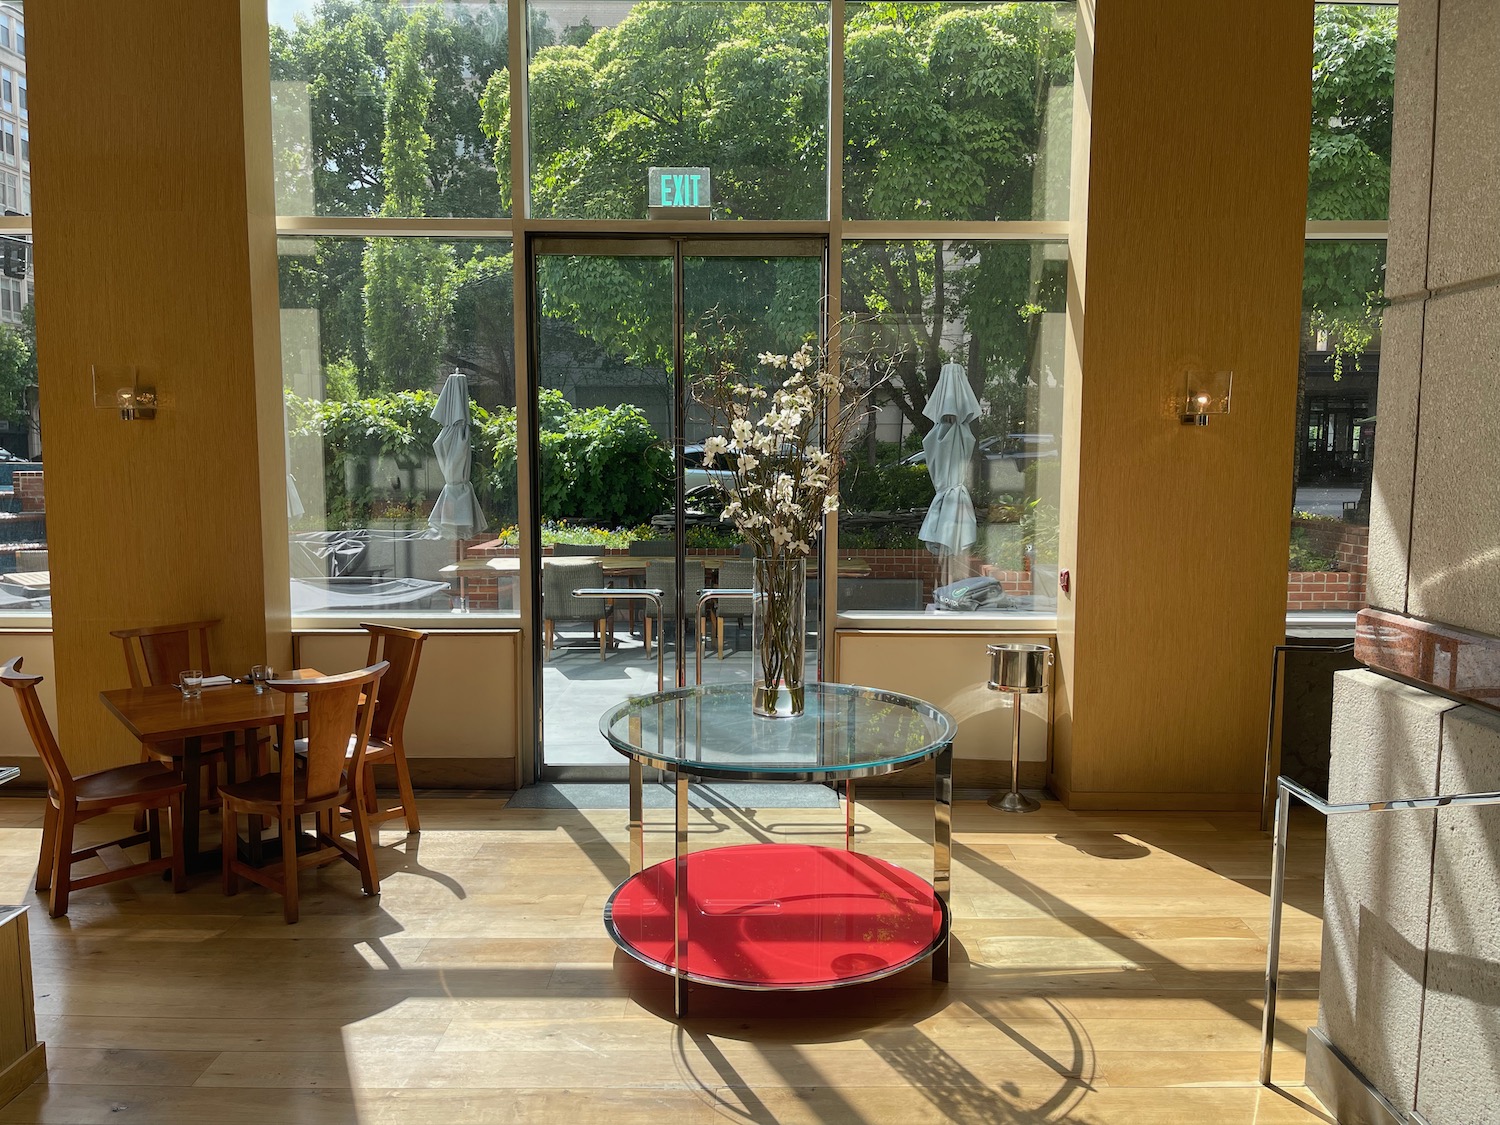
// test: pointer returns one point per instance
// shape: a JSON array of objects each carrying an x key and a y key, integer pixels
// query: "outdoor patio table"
[
  {"x": 780, "y": 916},
  {"x": 164, "y": 717}
]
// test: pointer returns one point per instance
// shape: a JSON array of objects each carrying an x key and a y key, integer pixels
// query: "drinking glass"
[
  {"x": 259, "y": 674},
  {"x": 191, "y": 682}
]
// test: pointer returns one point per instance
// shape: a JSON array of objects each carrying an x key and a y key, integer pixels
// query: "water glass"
[
  {"x": 191, "y": 682},
  {"x": 259, "y": 675}
]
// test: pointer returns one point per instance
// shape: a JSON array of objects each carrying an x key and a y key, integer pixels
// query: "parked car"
[{"x": 695, "y": 474}]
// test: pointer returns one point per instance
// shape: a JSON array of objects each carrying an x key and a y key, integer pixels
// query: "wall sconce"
[
  {"x": 1202, "y": 393},
  {"x": 136, "y": 403}
]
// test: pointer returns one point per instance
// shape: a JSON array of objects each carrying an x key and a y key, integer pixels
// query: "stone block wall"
[{"x": 1411, "y": 963}]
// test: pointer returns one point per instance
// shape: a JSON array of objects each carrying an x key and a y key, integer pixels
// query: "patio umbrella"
[
  {"x": 456, "y": 514},
  {"x": 294, "y": 506},
  {"x": 950, "y": 526}
]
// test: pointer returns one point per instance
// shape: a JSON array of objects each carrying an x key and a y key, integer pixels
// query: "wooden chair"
[
  {"x": 402, "y": 650},
  {"x": 71, "y": 800},
  {"x": 154, "y": 656},
  {"x": 320, "y": 787}
]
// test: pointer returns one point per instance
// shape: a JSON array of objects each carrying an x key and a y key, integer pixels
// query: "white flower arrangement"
[{"x": 781, "y": 446}]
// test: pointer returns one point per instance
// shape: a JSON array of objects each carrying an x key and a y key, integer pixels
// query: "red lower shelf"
[{"x": 780, "y": 916}]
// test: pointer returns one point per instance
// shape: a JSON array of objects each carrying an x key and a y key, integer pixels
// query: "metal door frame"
[{"x": 677, "y": 248}]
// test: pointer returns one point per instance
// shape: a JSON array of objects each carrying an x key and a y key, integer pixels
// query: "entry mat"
[{"x": 656, "y": 795}]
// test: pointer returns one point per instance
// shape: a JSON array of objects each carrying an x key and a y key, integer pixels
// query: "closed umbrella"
[
  {"x": 950, "y": 526},
  {"x": 456, "y": 514},
  {"x": 294, "y": 507}
]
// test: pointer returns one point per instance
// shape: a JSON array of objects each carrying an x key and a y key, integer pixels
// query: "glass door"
[{"x": 625, "y": 503}]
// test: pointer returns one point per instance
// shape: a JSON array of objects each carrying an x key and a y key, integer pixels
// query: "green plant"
[
  {"x": 1303, "y": 556},
  {"x": 885, "y": 487}
]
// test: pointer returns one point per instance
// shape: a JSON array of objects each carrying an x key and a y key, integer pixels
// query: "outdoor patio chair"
[
  {"x": 663, "y": 576},
  {"x": 737, "y": 574},
  {"x": 560, "y": 577},
  {"x": 148, "y": 786},
  {"x": 338, "y": 731}
]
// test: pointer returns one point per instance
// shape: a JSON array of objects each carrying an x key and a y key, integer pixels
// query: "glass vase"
[{"x": 780, "y": 636}]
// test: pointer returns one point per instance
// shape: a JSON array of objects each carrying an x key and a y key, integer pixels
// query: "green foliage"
[
  {"x": 884, "y": 487},
  {"x": 17, "y": 367},
  {"x": 1302, "y": 555},
  {"x": 1354, "y": 75},
  {"x": 602, "y": 465}
]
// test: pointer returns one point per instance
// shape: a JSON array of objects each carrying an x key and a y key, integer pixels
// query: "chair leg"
[
  {"x": 364, "y": 851},
  {"x": 289, "y": 904},
  {"x": 547, "y": 630},
  {"x": 603, "y": 628},
  {"x": 179, "y": 860},
  {"x": 369, "y": 788},
  {"x": 62, "y": 863},
  {"x": 403, "y": 786},
  {"x": 153, "y": 832},
  {"x": 48, "y": 858},
  {"x": 227, "y": 838},
  {"x": 646, "y": 632},
  {"x": 719, "y": 635}
]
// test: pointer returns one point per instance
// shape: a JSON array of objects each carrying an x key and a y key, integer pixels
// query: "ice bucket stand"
[{"x": 1019, "y": 669}]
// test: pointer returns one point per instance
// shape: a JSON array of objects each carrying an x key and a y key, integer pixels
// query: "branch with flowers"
[{"x": 782, "y": 446}]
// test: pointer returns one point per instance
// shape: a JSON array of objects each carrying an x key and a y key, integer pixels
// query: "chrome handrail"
[
  {"x": 1286, "y": 789},
  {"x": 633, "y": 594},
  {"x": 704, "y": 597}
]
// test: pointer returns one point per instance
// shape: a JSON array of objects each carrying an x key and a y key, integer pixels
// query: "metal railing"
[
  {"x": 1286, "y": 789},
  {"x": 633, "y": 594}
]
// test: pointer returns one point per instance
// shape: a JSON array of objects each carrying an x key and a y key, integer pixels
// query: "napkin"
[{"x": 216, "y": 681}]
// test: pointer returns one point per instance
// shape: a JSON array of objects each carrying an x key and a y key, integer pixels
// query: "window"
[
  {"x": 952, "y": 112},
  {"x": 4, "y": 31},
  {"x": 958, "y": 111},
  {"x": 745, "y": 96},
  {"x": 1343, "y": 286},
  {"x": 23, "y": 98},
  {"x": 25, "y": 147},
  {"x": 7, "y": 89},
  {"x": 371, "y": 331},
  {"x": 974, "y": 320},
  {"x": 8, "y": 141},
  {"x": 339, "y": 152}
]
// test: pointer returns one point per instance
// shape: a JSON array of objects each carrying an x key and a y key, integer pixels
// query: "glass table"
[{"x": 780, "y": 916}]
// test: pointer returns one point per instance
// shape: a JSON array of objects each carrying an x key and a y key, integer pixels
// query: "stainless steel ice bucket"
[{"x": 1019, "y": 667}]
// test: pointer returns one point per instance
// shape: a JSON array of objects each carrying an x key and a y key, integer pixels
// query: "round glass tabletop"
[{"x": 846, "y": 732}]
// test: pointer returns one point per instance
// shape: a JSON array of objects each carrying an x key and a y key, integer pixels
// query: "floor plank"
[{"x": 1107, "y": 968}]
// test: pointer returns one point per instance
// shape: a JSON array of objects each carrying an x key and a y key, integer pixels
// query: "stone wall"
[{"x": 1410, "y": 990}]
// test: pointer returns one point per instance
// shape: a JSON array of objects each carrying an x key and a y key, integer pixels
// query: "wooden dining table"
[{"x": 170, "y": 721}]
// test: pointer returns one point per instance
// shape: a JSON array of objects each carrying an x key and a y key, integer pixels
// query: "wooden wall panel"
[
  {"x": 155, "y": 252},
  {"x": 1191, "y": 230}
]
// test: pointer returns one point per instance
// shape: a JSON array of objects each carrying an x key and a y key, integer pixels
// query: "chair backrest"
[
  {"x": 653, "y": 547},
  {"x": 59, "y": 776},
  {"x": 334, "y": 715},
  {"x": 663, "y": 576},
  {"x": 402, "y": 650},
  {"x": 736, "y": 574},
  {"x": 560, "y": 577},
  {"x": 155, "y": 654}
]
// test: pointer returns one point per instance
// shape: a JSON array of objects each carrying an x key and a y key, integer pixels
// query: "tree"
[{"x": 17, "y": 367}]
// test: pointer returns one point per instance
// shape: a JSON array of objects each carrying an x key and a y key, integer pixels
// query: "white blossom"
[
  {"x": 780, "y": 535},
  {"x": 714, "y": 447},
  {"x": 748, "y": 462}
]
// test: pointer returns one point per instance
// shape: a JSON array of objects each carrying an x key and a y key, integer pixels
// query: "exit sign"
[{"x": 679, "y": 188}]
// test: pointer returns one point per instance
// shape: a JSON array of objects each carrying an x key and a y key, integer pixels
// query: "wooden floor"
[{"x": 1106, "y": 968}]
